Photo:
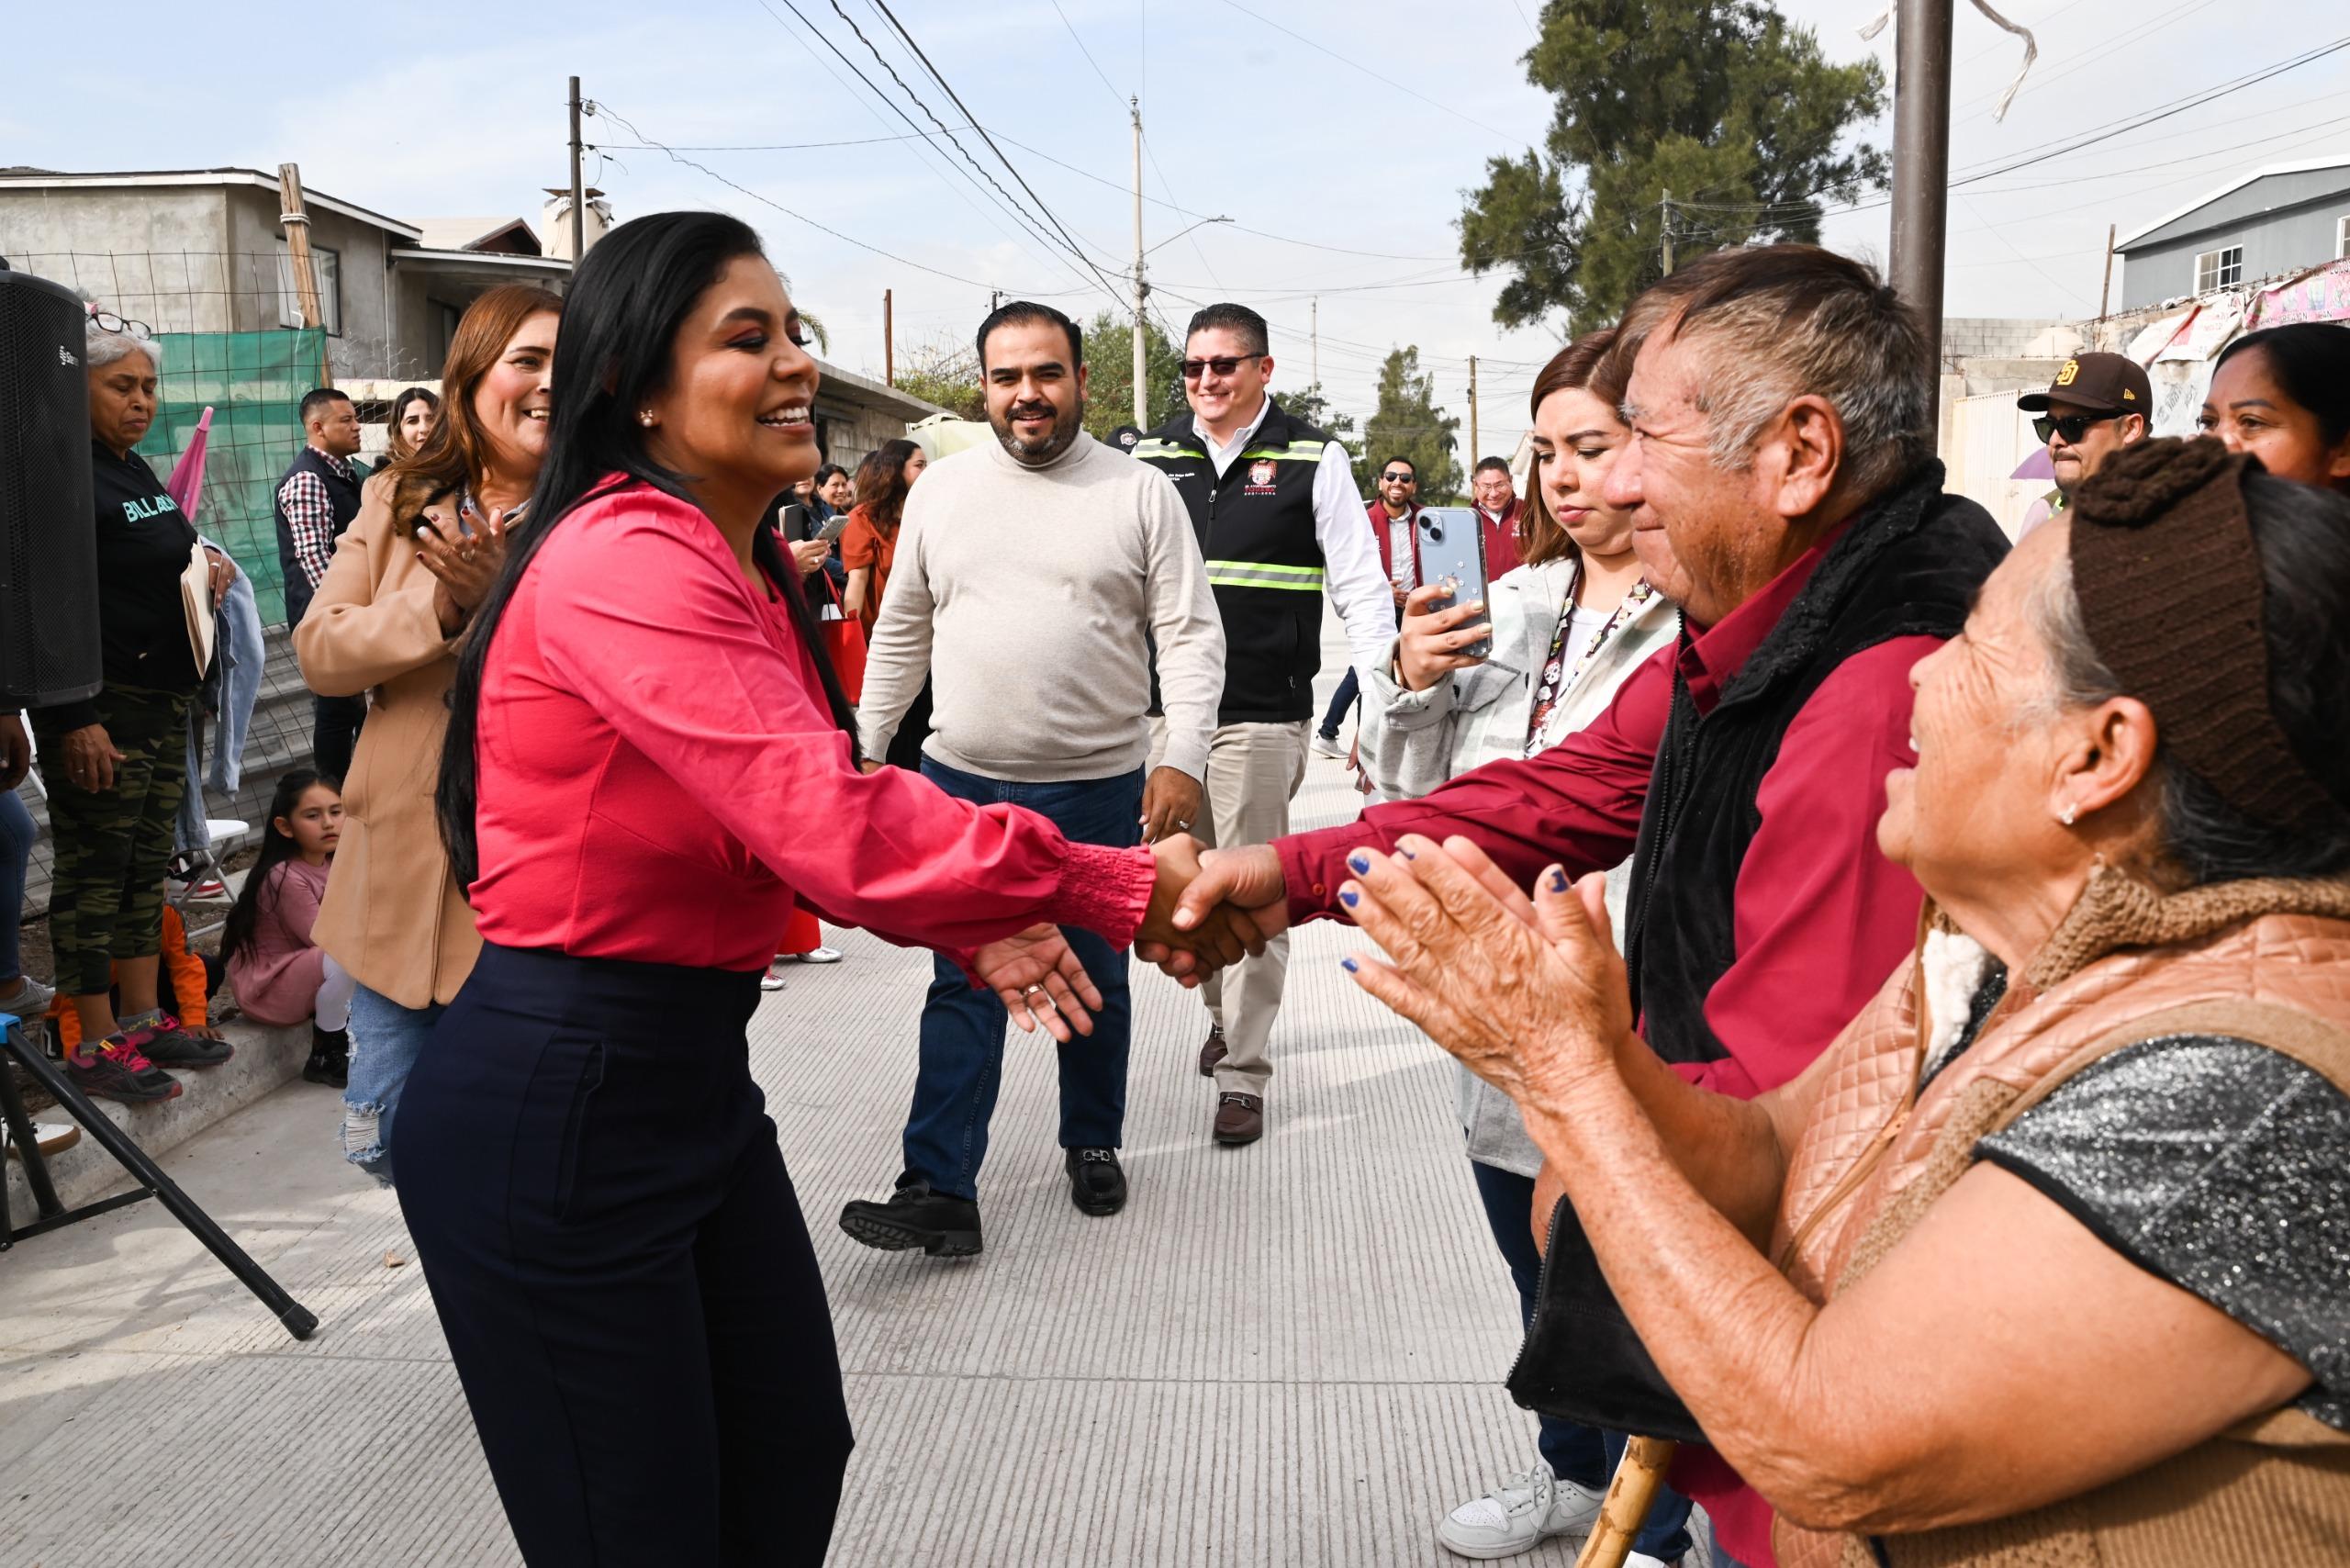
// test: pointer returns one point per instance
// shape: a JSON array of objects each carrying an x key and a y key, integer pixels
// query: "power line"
[
  {"x": 605, "y": 111},
  {"x": 1413, "y": 93},
  {"x": 1009, "y": 203},
  {"x": 884, "y": 99},
  {"x": 965, "y": 111},
  {"x": 1089, "y": 54}
]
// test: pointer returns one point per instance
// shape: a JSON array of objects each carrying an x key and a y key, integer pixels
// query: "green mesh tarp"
[{"x": 254, "y": 382}]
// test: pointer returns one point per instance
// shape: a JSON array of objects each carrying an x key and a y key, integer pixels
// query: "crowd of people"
[{"x": 1898, "y": 979}]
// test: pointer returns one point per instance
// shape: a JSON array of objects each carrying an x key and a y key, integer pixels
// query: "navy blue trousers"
[
  {"x": 962, "y": 1028},
  {"x": 593, "y": 1187}
]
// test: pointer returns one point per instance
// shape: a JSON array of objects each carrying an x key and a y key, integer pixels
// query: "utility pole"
[
  {"x": 1142, "y": 290},
  {"x": 2105, "y": 295},
  {"x": 1667, "y": 226},
  {"x": 1921, "y": 165},
  {"x": 1317, "y": 340},
  {"x": 578, "y": 196},
  {"x": 889, "y": 343},
  {"x": 296, "y": 224},
  {"x": 1476, "y": 448}
]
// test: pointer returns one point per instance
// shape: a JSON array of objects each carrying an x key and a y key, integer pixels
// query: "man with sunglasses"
[
  {"x": 2098, "y": 404},
  {"x": 1273, "y": 502}
]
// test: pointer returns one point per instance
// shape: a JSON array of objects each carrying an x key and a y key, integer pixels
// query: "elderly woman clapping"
[
  {"x": 2046, "y": 1259},
  {"x": 114, "y": 764}
]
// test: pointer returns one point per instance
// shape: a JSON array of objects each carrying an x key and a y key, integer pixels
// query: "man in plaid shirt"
[{"x": 316, "y": 501}]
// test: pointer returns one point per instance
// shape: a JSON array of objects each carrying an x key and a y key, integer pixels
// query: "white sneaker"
[
  {"x": 812, "y": 955},
  {"x": 29, "y": 1000},
  {"x": 773, "y": 979},
  {"x": 49, "y": 1138},
  {"x": 1327, "y": 745},
  {"x": 1519, "y": 1515},
  {"x": 1642, "y": 1559}
]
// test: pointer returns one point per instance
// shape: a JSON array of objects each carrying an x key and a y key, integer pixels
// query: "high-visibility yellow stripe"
[
  {"x": 1266, "y": 575},
  {"x": 1149, "y": 448},
  {"x": 1295, "y": 451}
]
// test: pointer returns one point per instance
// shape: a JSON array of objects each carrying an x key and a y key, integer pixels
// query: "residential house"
[{"x": 2270, "y": 223}]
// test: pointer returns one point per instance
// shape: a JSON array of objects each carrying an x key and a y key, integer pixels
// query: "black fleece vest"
[
  {"x": 343, "y": 494},
  {"x": 1907, "y": 566},
  {"x": 1255, "y": 525}
]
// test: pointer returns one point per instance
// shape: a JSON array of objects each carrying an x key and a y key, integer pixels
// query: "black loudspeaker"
[{"x": 48, "y": 559}]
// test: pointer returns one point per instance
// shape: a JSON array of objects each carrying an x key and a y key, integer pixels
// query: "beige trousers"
[{"x": 1253, "y": 771}]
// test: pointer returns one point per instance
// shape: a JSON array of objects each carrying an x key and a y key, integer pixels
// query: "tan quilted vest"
[{"x": 2266, "y": 961}]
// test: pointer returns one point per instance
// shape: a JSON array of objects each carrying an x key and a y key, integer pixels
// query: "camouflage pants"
[{"x": 113, "y": 846}]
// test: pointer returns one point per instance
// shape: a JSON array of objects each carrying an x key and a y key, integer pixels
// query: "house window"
[
  {"x": 2341, "y": 237},
  {"x": 2219, "y": 269},
  {"x": 328, "y": 266}
]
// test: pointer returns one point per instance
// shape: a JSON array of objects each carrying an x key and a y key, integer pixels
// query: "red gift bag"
[{"x": 844, "y": 645}]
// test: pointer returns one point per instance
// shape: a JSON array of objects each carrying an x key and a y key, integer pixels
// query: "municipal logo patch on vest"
[{"x": 1260, "y": 478}]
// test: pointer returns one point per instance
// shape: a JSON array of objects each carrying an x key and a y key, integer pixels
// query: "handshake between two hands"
[{"x": 1207, "y": 909}]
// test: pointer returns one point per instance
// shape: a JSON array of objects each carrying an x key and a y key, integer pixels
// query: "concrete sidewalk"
[{"x": 1291, "y": 1353}]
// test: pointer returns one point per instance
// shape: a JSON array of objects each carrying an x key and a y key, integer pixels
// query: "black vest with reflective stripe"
[{"x": 1255, "y": 525}]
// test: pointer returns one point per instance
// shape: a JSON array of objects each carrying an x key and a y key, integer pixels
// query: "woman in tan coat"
[
  {"x": 406, "y": 578},
  {"x": 2044, "y": 1262}
]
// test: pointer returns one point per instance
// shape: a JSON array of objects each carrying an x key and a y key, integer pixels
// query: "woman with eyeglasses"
[
  {"x": 2283, "y": 395},
  {"x": 115, "y": 764}
]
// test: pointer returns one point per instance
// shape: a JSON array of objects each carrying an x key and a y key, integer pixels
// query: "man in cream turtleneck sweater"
[{"x": 1032, "y": 580}]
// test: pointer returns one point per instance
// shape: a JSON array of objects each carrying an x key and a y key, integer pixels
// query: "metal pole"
[
  {"x": 889, "y": 343},
  {"x": 1921, "y": 163},
  {"x": 2105, "y": 295},
  {"x": 578, "y": 196},
  {"x": 1476, "y": 449},
  {"x": 1142, "y": 290},
  {"x": 1667, "y": 226},
  {"x": 1317, "y": 340}
]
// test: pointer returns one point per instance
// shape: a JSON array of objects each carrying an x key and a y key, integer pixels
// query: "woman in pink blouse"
[{"x": 648, "y": 763}]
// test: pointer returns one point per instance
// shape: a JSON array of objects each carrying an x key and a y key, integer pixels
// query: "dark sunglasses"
[
  {"x": 109, "y": 322},
  {"x": 1399, "y": 477},
  {"x": 1195, "y": 368},
  {"x": 2072, "y": 426}
]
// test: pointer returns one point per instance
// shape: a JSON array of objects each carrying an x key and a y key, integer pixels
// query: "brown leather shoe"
[
  {"x": 1213, "y": 1052},
  {"x": 1239, "y": 1118}
]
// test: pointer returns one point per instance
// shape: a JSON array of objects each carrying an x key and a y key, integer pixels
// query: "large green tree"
[
  {"x": 944, "y": 370},
  {"x": 1408, "y": 422},
  {"x": 1110, "y": 381},
  {"x": 1311, "y": 405},
  {"x": 1723, "y": 102}
]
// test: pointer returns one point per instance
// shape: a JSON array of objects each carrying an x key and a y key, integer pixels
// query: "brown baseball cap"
[{"x": 2101, "y": 382}]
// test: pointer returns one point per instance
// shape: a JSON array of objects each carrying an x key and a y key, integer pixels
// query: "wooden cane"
[{"x": 1626, "y": 1508}]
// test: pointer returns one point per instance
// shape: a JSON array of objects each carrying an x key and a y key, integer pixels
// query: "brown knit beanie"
[{"x": 2169, "y": 585}]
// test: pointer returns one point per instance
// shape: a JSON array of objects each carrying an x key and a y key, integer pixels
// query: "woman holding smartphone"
[
  {"x": 648, "y": 758},
  {"x": 405, "y": 582}
]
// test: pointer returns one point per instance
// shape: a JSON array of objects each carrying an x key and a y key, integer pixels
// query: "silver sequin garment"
[{"x": 2222, "y": 1167}]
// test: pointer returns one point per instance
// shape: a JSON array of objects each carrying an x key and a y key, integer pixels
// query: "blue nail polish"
[
  {"x": 1350, "y": 899},
  {"x": 1359, "y": 863},
  {"x": 1406, "y": 852},
  {"x": 1349, "y": 965},
  {"x": 1557, "y": 880}
]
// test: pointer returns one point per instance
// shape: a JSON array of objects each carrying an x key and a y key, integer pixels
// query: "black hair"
[
  {"x": 2311, "y": 360},
  {"x": 317, "y": 398},
  {"x": 1386, "y": 462},
  {"x": 1490, "y": 465},
  {"x": 1231, "y": 318},
  {"x": 1025, "y": 312},
  {"x": 243, "y": 928},
  {"x": 629, "y": 297},
  {"x": 824, "y": 475}
]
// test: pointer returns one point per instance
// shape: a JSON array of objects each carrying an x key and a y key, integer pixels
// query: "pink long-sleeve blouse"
[{"x": 659, "y": 776}]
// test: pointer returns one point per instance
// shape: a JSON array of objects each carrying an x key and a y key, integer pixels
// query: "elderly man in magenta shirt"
[{"x": 1801, "y": 524}]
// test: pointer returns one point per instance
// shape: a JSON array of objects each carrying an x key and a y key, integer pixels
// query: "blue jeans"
[
  {"x": 385, "y": 1040},
  {"x": 17, "y": 835},
  {"x": 1585, "y": 1455},
  {"x": 962, "y": 1028}
]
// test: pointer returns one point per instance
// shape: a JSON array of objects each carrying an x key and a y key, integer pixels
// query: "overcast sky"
[{"x": 426, "y": 110}]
